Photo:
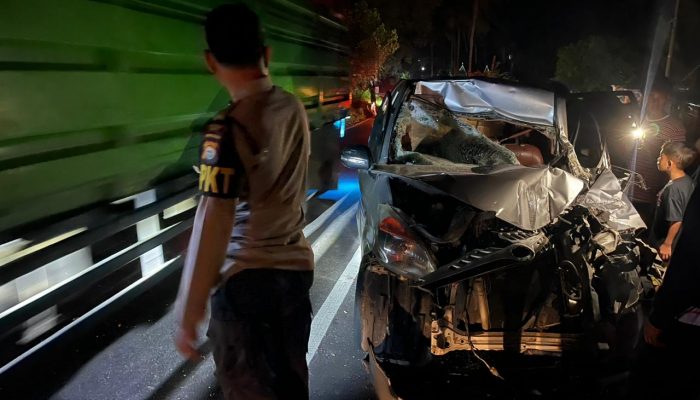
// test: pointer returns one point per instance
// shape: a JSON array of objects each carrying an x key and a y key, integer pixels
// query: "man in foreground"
[{"x": 247, "y": 240}]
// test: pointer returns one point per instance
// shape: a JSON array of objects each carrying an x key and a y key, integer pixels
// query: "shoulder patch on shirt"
[
  {"x": 210, "y": 151},
  {"x": 220, "y": 169},
  {"x": 212, "y": 138}
]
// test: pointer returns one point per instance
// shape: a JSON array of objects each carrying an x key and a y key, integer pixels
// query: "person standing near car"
[
  {"x": 673, "y": 198},
  {"x": 247, "y": 241},
  {"x": 667, "y": 368},
  {"x": 658, "y": 127}
]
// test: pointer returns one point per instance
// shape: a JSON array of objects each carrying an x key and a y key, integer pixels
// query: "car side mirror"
[{"x": 355, "y": 157}]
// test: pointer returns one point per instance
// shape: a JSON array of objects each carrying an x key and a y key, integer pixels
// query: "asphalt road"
[
  {"x": 143, "y": 364},
  {"x": 131, "y": 354}
]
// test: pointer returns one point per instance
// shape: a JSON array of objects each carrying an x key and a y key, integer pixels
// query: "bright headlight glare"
[
  {"x": 638, "y": 133},
  {"x": 397, "y": 247}
]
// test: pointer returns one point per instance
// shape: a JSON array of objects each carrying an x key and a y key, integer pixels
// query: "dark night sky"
[
  {"x": 539, "y": 28},
  {"x": 534, "y": 30}
]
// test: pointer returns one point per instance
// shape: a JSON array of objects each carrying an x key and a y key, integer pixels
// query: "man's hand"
[
  {"x": 186, "y": 341},
  {"x": 652, "y": 335},
  {"x": 665, "y": 251}
]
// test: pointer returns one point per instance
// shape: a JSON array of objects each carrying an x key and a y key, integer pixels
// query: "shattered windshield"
[{"x": 427, "y": 134}]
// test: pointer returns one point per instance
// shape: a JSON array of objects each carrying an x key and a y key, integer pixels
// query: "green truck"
[
  {"x": 99, "y": 99},
  {"x": 101, "y": 102}
]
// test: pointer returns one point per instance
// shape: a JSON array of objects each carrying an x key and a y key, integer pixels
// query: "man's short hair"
[
  {"x": 234, "y": 35},
  {"x": 682, "y": 155}
]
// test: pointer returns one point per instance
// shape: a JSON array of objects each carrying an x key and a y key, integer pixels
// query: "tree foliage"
[
  {"x": 434, "y": 33},
  {"x": 413, "y": 21},
  {"x": 596, "y": 62},
  {"x": 372, "y": 44}
]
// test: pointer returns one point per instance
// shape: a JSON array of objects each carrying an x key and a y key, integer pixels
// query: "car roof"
[{"x": 519, "y": 103}]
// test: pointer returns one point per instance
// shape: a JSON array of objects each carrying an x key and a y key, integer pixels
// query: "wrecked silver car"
[{"x": 485, "y": 228}]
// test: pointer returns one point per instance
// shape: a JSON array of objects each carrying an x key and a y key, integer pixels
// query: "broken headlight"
[{"x": 398, "y": 249}]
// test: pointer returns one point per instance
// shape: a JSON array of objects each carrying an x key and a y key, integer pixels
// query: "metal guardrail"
[
  {"x": 13, "y": 317},
  {"x": 25, "y": 310},
  {"x": 88, "y": 320},
  {"x": 31, "y": 262}
]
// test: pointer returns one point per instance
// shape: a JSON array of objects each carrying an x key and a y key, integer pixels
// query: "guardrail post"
[{"x": 153, "y": 259}]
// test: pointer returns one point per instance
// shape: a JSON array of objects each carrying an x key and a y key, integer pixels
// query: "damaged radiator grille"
[
  {"x": 517, "y": 235},
  {"x": 475, "y": 256},
  {"x": 491, "y": 259},
  {"x": 475, "y": 263}
]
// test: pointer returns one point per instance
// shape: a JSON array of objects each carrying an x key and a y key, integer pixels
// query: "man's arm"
[
  {"x": 666, "y": 247},
  {"x": 674, "y": 208},
  {"x": 220, "y": 181},
  {"x": 205, "y": 255}
]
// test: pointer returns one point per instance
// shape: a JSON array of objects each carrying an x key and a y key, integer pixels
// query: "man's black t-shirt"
[{"x": 671, "y": 204}]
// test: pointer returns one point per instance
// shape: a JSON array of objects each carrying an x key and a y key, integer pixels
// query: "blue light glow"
[
  {"x": 340, "y": 125},
  {"x": 347, "y": 183}
]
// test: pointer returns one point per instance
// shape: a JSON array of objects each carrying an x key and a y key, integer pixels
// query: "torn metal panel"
[
  {"x": 528, "y": 198},
  {"x": 613, "y": 207},
  {"x": 472, "y": 96}
]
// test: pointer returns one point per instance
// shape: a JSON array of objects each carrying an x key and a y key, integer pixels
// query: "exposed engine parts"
[
  {"x": 551, "y": 286},
  {"x": 471, "y": 247}
]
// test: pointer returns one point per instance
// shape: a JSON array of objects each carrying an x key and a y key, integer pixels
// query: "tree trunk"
[
  {"x": 459, "y": 41},
  {"x": 452, "y": 55},
  {"x": 471, "y": 35}
]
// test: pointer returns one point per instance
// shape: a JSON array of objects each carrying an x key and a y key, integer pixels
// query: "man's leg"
[
  {"x": 238, "y": 353},
  {"x": 294, "y": 374},
  {"x": 260, "y": 329}
]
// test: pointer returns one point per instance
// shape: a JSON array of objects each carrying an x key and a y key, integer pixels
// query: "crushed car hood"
[
  {"x": 474, "y": 96},
  {"x": 528, "y": 198}
]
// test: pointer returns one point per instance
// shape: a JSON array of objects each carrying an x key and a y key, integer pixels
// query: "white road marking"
[
  {"x": 312, "y": 227},
  {"x": 324, "y": 316},
  {"x": 331, "y": 234}
]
